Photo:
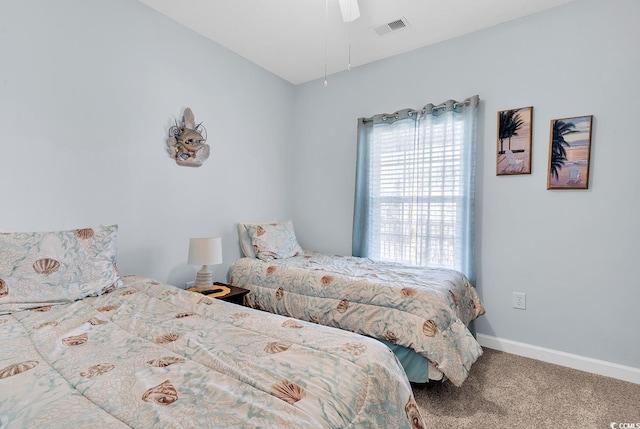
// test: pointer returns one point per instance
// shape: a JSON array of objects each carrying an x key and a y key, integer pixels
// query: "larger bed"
[
  {"x": 423, "y": 314},
  {"x": 138, "y": 353}
]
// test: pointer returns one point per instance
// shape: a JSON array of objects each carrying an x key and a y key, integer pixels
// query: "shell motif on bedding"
[
  {"x": 107, "y": 308},
  {"x": 75, "y": 340},
  {"x": 97, "y": 369},
  {"x": 162, "y": 394},
  {"x": 429, "y": 328},
  {"x": 85, "y": 233},
  {"x": 355, "y": 349},
  {"x": 477, "y": 310},
  {"x": 413, "y": 414},
  {"x": 165, "y": 361},
  {"x": 288, "y": 392},
  {"x": 327, "y": 280},
  {"x": 4, "y": 289},
  {"x": 240, "y": 315},
  {"x": 277, "y": 347},
  {"x": 408, "y": 291},
  {"x": 455, "y": 300},
  {"x": 46, "y": 266},
  {"x": 343, "y": 306},
  {"x": 109, "y": 289},
  {"x": 279, "y": 293},
  {"x": 205, "y": 300},
  {"x": 44, "y": 324},
  {"x": 290, "y": 323},
  {"x": 95, "y": 321},
  {"x": 271, "y": 269},
  {"x": 168, "y": 338},
  {"x": 17, "y": 368},
  {"x": 183, "y": 315},
  {"x": 391, "y": 337},
  {"x": 42, "y": 309}
]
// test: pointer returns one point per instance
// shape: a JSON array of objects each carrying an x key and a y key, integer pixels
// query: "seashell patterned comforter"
[
  {"x": 151, "y": 355},
  {"x": 424, "y": 309}
]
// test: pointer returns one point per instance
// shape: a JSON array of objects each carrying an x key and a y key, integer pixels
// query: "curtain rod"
[{"x": 410, "y": 112}]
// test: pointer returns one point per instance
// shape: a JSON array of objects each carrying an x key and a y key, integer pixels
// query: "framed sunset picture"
[
  {"x": 514, "y": 141},
  {"x": 569, "y": 153}
]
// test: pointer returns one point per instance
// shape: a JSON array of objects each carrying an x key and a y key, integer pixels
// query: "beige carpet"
[{"x": 509, "y": 391}]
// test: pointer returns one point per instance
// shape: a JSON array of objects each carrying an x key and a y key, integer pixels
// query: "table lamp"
[{"x": 205, "y": 251}]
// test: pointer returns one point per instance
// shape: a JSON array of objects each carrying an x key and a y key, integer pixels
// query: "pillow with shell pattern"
[
  {"x": 274, "y": 240},
  {"x": 46, "y": 268},
  {"x": 245, "y": 239}
]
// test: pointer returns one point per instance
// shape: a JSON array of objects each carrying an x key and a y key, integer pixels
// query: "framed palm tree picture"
[
  {"x": 514, "y": 141},
  {"x": 569, "y": 153}
]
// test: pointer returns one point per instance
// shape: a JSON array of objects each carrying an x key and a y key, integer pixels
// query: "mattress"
[
  {"x": 427, "y": 310},
  {"x": 150, "y": 355}
]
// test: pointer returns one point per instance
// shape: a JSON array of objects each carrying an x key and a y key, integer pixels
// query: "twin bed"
[
  {"x": 84, "y": 346},
  {"x": 422, "y": 314}
]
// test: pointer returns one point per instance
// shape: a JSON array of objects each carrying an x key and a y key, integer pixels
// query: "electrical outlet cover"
[{"x": 519, "y": 300}]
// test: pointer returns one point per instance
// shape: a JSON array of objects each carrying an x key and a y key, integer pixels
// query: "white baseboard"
[{"x": 594, "y": 366}]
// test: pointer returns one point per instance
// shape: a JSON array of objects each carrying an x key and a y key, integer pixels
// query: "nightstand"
[{"x": 236, "y": 295}]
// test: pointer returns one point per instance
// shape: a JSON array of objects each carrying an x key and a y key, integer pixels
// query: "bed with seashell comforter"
[
  {"x": 423, "y": 314},
  {"x": 82, "y": 346}
]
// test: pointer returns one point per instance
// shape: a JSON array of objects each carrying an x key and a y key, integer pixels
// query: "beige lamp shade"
[{"x": 205, "y": 251}]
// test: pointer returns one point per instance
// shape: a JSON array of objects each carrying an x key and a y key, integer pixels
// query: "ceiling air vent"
[{"x": 389, "y": 27}]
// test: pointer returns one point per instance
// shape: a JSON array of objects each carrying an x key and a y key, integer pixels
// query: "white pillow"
[{"x": 274, "y": 240}]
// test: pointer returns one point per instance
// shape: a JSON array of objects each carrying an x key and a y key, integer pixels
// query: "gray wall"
[
  {"x": 88, "y": 90},
  {"x": 572, "y": 252}
]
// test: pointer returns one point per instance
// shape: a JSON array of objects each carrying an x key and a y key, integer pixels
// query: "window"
[{"x": 415, "y": 186}]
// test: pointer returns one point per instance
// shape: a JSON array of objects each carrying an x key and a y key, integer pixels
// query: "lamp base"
[{"x": 204, "y": 278}]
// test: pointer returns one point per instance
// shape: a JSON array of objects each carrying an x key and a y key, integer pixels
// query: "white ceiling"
[{"x": 287, "y": 37}]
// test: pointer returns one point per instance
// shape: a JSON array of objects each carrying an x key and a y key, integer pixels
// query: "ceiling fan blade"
[{"x": 350, "y": 10}]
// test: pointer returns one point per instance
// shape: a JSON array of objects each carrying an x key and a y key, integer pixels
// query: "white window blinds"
[{"x": 417, "y": 175}]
